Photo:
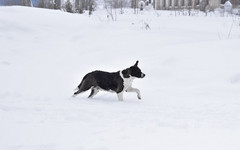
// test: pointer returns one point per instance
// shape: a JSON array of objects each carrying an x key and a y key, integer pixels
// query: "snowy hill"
[{"x": 190, "y": 96}]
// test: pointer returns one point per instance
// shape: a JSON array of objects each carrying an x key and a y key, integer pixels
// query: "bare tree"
[
  {"x": 134, "y": 5},
  {"x": 26, "y": 2},
  {"x": 189, "y": 7},
  {"x": 78, "y": 7},
  {"x": 41, "y": 4},
  {"x": 81, "y": 5},
  {"x": 57, "y": 4},
  {"x": 108, "y": 4},
  {"x": 91, "y": 7},
  {"x": 68, "y": 6}
]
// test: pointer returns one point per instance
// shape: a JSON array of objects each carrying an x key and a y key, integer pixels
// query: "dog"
[{"x": 116, "y": 82}]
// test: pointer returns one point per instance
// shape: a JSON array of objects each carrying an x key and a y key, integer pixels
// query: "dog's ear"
[{"x": 136, "y": 64}]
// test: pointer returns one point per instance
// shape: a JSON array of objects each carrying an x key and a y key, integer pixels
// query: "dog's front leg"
[
  {"x": 131, "y": 89},
  {"x": 120, "y": 96}
]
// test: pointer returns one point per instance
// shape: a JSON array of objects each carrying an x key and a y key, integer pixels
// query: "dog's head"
[{"x": 133, "y": 71}]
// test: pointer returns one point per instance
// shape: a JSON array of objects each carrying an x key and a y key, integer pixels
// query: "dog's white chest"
[{"x": 127, "y": 82}]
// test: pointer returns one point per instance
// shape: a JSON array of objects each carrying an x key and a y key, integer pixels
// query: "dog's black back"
[{"x": 103, "y": 80}]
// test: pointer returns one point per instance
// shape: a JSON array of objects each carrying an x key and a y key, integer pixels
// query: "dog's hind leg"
[
  {"x": 94, "y": 91},
  {"x": 84, "y": 86}
]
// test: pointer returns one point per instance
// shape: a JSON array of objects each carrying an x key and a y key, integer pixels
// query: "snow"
[
  {"x": 227, "y": 3},
  {"x": 190, "y": 95}
]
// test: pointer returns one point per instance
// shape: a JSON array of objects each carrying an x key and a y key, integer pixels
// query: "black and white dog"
[{"x": 117, "y": 82}]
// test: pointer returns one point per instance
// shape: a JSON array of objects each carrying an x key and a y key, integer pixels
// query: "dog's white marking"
[
  {"x": 127, "y": 86},
  {"x": 127, "y": 82}
]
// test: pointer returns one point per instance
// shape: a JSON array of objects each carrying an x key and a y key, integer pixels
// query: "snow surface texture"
[{"x": 190, "y": 95}]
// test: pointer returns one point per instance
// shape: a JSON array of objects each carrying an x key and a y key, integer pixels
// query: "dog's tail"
[
  {"x": 82, "y": 86},
  {"x": 76, "y": 89},
  {"x": 79, "y": 86}
]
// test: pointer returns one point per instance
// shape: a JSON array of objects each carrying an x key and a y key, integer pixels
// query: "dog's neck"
[
  {"x": 125, "y": 76},
  {"x": 127, "y": 81},
  {"x": 125, "y": 73}
]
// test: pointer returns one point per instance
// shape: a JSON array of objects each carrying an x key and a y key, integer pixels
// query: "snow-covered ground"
[{"x": 190, "y": 95}]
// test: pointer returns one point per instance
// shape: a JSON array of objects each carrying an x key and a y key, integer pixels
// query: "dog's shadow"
[{"x": 107, "y": 98}]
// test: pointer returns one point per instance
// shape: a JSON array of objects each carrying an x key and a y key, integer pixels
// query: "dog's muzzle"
[{"x": 143, "y": 75}]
